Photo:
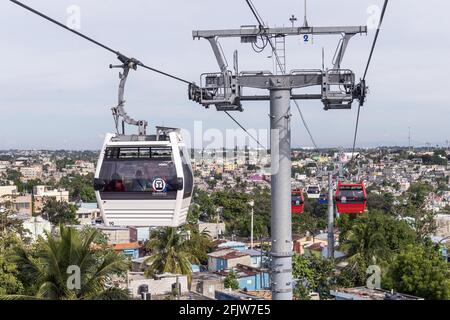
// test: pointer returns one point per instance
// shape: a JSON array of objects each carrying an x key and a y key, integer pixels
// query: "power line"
[
  {"x": 367, "y": 69},
  {"x": 277, "y": 58}
]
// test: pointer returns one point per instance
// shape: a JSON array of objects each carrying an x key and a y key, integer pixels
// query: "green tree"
[
  {"x": 9, "y": 222},
  {"x": 13, "y": 175},
  {"x": 170, "y": 253},
  {"x": 199, "y": 244},
  {"x": 312, "y": 274},
  {"x": 59, "y": 212},
  {"x": 304, "y": 223},
  {"x": 100, "y": 239},
  {"x": 374, "y": 238},
  {"x": 420, "y": 270},
  {"x": 63, "y": 163},
  {"x": 79, "y": 187},
  {"x": 383, "y": 202},
  {"x": 203, "y": 207},
  {"x": 421, "y": 219},
  {"x": 46, "y": 272},
  {"x": 9, "y": 282},
  {"x": 231, "y": 281}
]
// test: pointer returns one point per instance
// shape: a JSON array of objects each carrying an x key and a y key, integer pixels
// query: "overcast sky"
[{"x": 56, "y": 89}]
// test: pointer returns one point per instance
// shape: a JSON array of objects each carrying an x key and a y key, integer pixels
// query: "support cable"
[
  {"x": 277, "y": 58},
  {"x": 245, "y": 130},
  {"x": 121, "y": 56},
  {"x": 97, "y": 43},
  {"x": 366, "y": 70}
]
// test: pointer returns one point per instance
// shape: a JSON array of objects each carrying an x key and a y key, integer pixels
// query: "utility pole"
[
  {"x": 252, "y": 204},
  {"x": 330, "y": 217}
]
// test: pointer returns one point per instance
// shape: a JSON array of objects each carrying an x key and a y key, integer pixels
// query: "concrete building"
[
  {"x": 207, "y": 283},
  {"x": 87, "y": 213},
  {"x": 31, "y": 172},
  {"x": 37, "y": 227},
  {"x": 42, "y": 193},
  {"x": 215, "y": 230},
  {"x": 17, "y": 202},
  {"x": 226, "y": 259},
  {"x": 23, "y": 205},
  {"x": 443, "y": 225},
  {"x": 235, "y": 245},
  {"x": 256, "y": 258},
  {"x": 249, "y": 278},
  {"x": 158, "y": 286},
  {"x": 235, "y": 295},
  {"x": 363, "y": 293},
  {"x": 7, "y": 191},
  {"x": 131, "y": 249},
  {"x": 119, "y": 235}
]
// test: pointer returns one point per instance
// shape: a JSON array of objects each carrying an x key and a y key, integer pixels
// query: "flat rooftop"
[{"x": 362, "y": 293}]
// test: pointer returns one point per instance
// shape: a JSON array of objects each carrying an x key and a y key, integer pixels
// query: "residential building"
[
  {"x": 215, "y": 230},
  {"x": 226, "y": 259},
  {"x": 42, "y": 193},
  {"x": 256, "y": 257},
  {"x": 157, "y": 286},
  {"x": 443, "y": 225},
  {"x": 363, "y": 293},
  {"x": 234, "y": 295},
  {"x": 7, "y": 191},
  {"x": 131, "y": 249},
  {"x": 235, "y": 245},
  {"x": 119, "y": 235},
  {"x": 23, "y": 204},
  {"x": 31, "y": 172},
  {"x": 207, "y": 283},
  {"x": 37, "y": 226},
  {"x": 249, "y": 278},
  {"x": 87, "y": 213}
]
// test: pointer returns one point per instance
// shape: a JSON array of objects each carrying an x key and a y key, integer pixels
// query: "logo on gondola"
[{"x": 159, "y": 185}]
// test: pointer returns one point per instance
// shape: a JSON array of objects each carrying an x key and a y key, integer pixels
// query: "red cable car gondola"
[
  {"x": 297, "y": 201},
  {"x": 351, "y": 198}
]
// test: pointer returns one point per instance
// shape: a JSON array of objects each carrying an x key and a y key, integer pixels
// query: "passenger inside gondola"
[
  {"x": 351, "y": 195},
  {"x": 140, "y": 183},
  {"x": 116, "y": 184}
]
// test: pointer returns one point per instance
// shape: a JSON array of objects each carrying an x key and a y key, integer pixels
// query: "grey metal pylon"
[{"x": 281, "y": 231}]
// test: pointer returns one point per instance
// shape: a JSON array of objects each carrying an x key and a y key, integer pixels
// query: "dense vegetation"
[
  {"x": 65, "y": 266},
  {"x": 394, "y": 237}
]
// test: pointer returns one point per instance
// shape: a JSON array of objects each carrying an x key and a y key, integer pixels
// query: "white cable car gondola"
[
  {"x": 142, "y": 180},
  {"x": 313, "y": 192}
]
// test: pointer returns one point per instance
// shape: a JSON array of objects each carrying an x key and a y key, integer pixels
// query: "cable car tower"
[{"x": 224, "y": 90}]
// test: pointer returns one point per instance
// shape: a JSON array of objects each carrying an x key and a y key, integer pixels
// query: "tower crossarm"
[{"x": 286, "y": 31}]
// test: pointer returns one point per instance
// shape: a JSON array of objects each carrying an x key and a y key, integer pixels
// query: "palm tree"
[
  {"x": 170, "y": 253},
  {"x": 362, "y": 250},
  {"x": 49, "y": 273},
  {"x": 199, "y": 243}
]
